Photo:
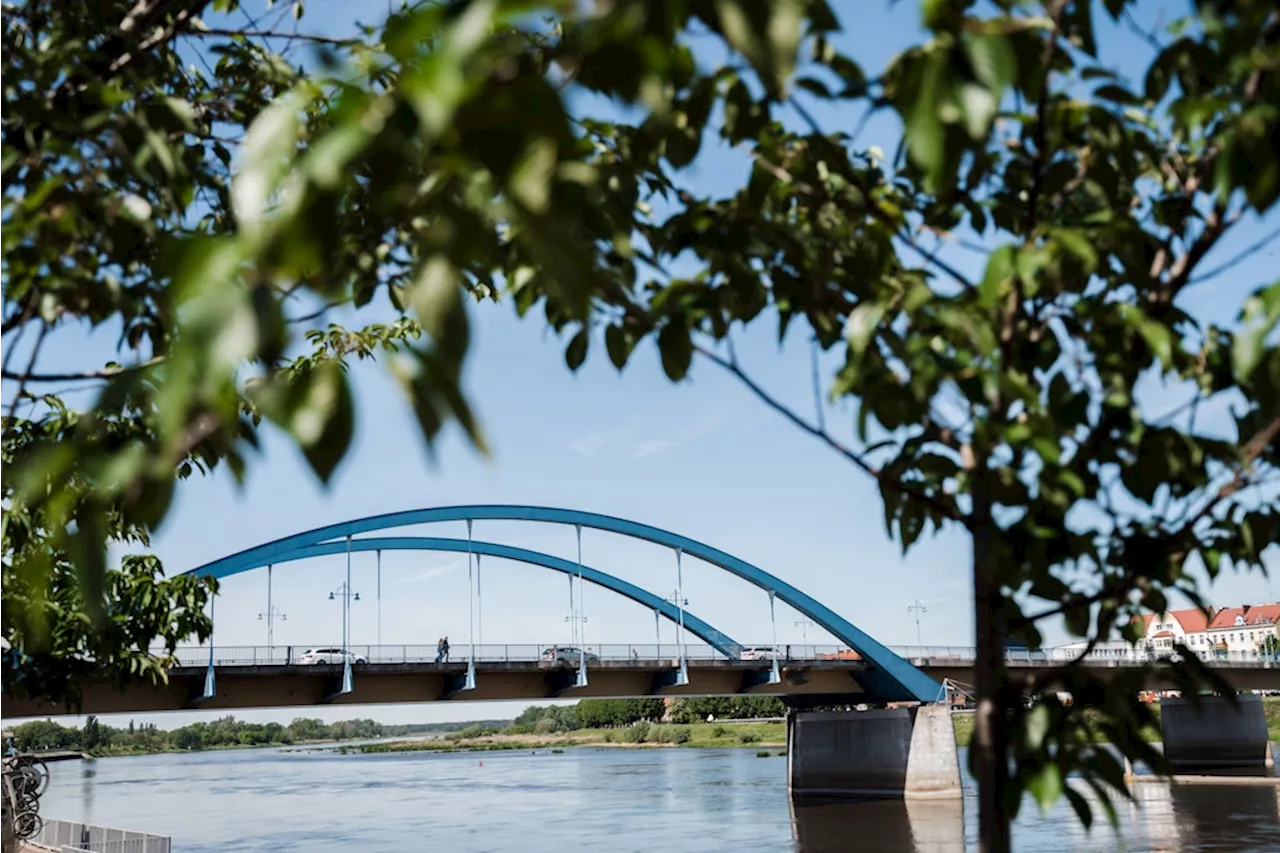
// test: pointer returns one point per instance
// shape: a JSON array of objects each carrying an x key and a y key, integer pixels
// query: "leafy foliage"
[
  {"x": 99, "y": 739},
  {"x": 434, "y": 158}
]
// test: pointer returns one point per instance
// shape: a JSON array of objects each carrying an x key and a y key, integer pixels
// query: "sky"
[{"x": 702, "y": 458}]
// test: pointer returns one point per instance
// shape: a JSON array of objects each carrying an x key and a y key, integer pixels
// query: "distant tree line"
[
  {"x": 617, "y": 713},
  {"x": 100, "y": 739},
  {"x": 696, "y": 709}
]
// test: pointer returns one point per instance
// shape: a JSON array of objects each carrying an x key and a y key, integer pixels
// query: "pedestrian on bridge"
[
  {"x": 439, "y": 649},
  {"x": 444, "y": 649}
]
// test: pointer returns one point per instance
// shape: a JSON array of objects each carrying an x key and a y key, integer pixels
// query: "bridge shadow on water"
[
  {"x": 1220, "y": 818},
  {"x": 882, "y": 826}
]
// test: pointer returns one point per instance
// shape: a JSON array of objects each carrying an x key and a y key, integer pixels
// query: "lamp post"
[
  {"x": 675, "y": 600},
  {"x": 918, "y": 607},
  {"x": 347, "y": 595},
  {"x": 804, "y": 625},
  {"x": 575, "y": 619},
  {"x": 272, "y": 614}
]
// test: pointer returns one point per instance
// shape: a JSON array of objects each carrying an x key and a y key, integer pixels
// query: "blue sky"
[{"x": 701, "y": 458}]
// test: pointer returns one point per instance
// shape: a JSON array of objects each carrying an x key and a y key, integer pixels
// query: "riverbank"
[{"x": 639, "y": 736}]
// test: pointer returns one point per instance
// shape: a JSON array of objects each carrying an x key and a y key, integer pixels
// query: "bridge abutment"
[
  {"x": 895, "y": 752},
  {"x": 1220, "y": 733}
]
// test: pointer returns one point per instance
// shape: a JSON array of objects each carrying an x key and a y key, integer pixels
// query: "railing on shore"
[
  {"x": 646, "y": 654},
  {"x": 64, "y": 836}
]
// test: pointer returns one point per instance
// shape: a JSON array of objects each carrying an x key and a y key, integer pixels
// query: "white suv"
[
  {"x": 328, "y": 655},
  {"x": 760, "y": 653}
]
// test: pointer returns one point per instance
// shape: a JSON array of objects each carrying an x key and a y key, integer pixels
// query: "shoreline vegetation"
[
  {"x": 102, "y": 741},
  {"x": 745, "y": 722},
  {"x": 747, "y": 733}
]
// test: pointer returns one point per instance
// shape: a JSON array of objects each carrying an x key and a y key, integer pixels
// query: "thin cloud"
[
  {"x": 589, "y": 444},
  {"x": 699, "y": 428},
  {"x": 652, "y": 447},
  {"x": 427, "y": 574}
]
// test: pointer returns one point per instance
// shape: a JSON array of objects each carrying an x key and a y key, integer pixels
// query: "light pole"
[
  {"x": 575, "y": 619},
  {"x": 272, "y": 614},
  {"x": 344, "y": 592},
  {"x": 675, "y": 600},
  {"x": 804, "y": 625},
  {"x": 918, "y": 607}
]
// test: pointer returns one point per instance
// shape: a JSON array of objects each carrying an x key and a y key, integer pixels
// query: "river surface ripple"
[{"x": 592, "y": 799}]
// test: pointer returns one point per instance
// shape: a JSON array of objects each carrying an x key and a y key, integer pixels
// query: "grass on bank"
[
  {"x": 638, "y": 736},
  {"x": 729, "y": 734}
]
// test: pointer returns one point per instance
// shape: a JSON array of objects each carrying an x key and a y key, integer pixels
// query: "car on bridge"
[
  {"x": 328, "y": 655},
  {"x": 567, "y": 654},
  {"x": 760, "y": 653}
]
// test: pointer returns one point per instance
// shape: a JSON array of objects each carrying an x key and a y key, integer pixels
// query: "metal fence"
[
  {"x": 63, "y": 836},
  {"x": 530, "y": 652}
]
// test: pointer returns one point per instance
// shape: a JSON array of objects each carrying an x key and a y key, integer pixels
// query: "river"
[{"x": 590, "y": 799}]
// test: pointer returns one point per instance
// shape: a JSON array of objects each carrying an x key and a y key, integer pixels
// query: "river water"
[{"x": 590, "y": 799}]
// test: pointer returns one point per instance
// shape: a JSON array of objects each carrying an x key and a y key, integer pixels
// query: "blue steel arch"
[
  {"x": 722, "y": 642},
  {"x": 888, "y": 677}
]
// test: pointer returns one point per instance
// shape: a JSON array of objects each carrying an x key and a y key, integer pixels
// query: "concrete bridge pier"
[
  {"x": 1220, "y": 733},
  {"x": 907, "y": 753}
]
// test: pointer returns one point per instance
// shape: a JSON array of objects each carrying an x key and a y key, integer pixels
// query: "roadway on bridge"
[{"x": 261, "y": 677}]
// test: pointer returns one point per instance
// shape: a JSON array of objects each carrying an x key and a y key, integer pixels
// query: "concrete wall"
[
  {"x": 1217, "y": 734},
  {"x": 901, "y": 752}
]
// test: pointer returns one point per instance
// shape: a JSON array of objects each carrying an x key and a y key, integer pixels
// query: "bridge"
[
  {"x": 272, "y": 677},
  {"x": 910, "y": 747}
]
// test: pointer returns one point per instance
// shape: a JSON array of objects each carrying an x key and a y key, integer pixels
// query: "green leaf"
[
  {"x": 576, "y": 352},
  {"x": 676, "y": 347},
  {"x": 1116, "y": 94},
  {"x": 979, "y": 108},
  {"x": 997, "y": 280},
  {"x": 1158, "y": 336},
  {"x": 925, "y": 137},
  {"x": 1036, "y": 726},
  {"x": 861, "y": 326},
  {"x": 767, "y": 34},
  {"x": 436, "y": 297},
  {"x": 994, "y": 62},
  {"x": 268, "y": 148},
  {"x": 326, "y": 418},
  {"x": 617, "y": 342},
  {"x": 1260, "y": 317},
  {"x": 1080, "y": 806},
  {"x": 1077, "y": 242},
  {"x": 1046, "y": 785}
]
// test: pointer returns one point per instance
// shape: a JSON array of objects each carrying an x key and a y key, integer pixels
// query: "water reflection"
[
  {"x": 1224, "y": 818},
  {"x": 885, "y": 826}
]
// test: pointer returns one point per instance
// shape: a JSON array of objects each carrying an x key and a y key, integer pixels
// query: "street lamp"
[
  {"x": 673, "y": 599},
  {"x": 918, "y": 607},
  {"x": 804, "y": 625},
  {"x": 272, "y": 614},
  {"x": 345, "y": 592}
]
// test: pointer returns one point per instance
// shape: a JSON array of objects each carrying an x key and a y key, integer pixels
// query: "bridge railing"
[
  {"x": 528, "y": 652},
  {"x": 493, "y": 653}
]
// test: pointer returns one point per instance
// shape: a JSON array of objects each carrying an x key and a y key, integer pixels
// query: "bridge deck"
[{"x": 242, "y": 684}]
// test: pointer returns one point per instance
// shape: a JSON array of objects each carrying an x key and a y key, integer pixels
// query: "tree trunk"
[{"x": 989, "y": 747}]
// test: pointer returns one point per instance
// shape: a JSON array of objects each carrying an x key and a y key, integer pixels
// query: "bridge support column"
[
  {"x": 1217, "y": 734},
  {"x": 896, "y": 752}
]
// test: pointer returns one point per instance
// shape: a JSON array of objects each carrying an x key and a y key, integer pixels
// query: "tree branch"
[
  {"x": 25, "y": 376},
  {"x": 1238, "y": 259},
  {"x": 316, "y": 314},
  {"x": 252, "y": 33},
  {"x": 875, "y": 473},
  {"x": 105, "y": 373}
]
